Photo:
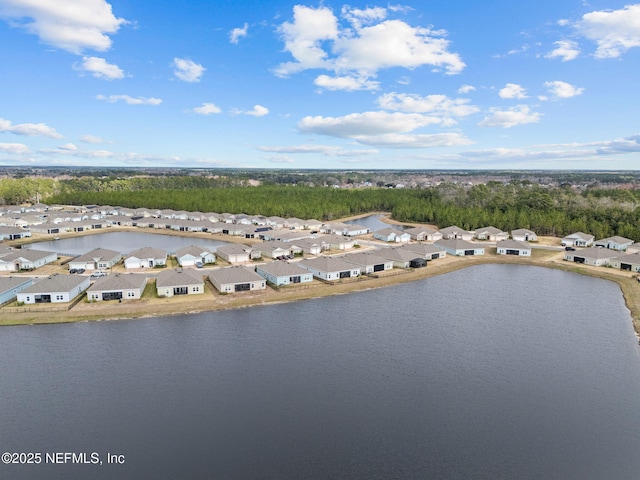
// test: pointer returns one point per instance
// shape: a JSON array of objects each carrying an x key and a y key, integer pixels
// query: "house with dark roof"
[
  {"x": 236, "y": 279},
  {"x": 284, "y": 273},
  {"x": 179, "y": 281},
  {"x": 57, "y": 288},
  {"x": 118, "y": 286}
]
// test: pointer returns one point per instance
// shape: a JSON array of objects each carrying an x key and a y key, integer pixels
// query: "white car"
[{"x": 98, "y": 274}]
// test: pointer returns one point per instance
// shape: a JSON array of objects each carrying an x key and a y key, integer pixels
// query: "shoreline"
[{"x": 148, "y": 306}]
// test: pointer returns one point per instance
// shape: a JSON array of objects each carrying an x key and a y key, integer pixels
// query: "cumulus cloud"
[
  {"x": 237, "y": 33},
  {"x": 348, "y": 84},
  {"x": 613, "y": 31},
  {"x": 100, "y": 68},
  {"x": 28, "y": 129},
  {"x": 207, "y": 109},
  {"x": 280, "y": 159},
  {"x": 67, "y": 24},
  {"x": 14, "y": 148},
  {"x": 369, "y": 43},
  {"x": 91, "y": 139},
  {"x": 565, "y": 50},
  {"x": 188, "y": 70},
  {"x": 561, "y": 89},
  {"x": 257, "y": 111},
  {"x": 432, "y": 104},
  {"x": 466, "y": 89},
  {"x": 512, "y": 90},
  {"x": 519, "y": 115},
  {"x": 130, "y": 100}
]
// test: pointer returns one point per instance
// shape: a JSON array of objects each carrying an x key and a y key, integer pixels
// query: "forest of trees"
[{"x": 517, "y": 204}]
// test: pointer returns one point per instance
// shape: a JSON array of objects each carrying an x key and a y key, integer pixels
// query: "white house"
[
  {"x": 491, "y": 234},
  {"x": 58, "y": 288},
  {"x": 513, "y": 247},
  {"x": 11, "y": 286},
  {"x": 369, "y": 262},
  {"x": 125, "y": 286},
  {"x": 25, "y": 259},
  {"x": 614, "y": 243},
  {"x": 330, "y": 268},
  {"x": 595, "y": 256},
  {"x": 146, "y": 257},
  {"x": 353, "y": 230},
  {"x": 236, "y": 279},
  {"x": 424, "y": 234},
  {"x": 629, "y": 262},
  {"x": 391, "y": 235},
  {"x": 524, "y": 235},
  {"x": 578, "y": 239},
  {"x": 234, "y": 253},
  {"x": 460, "y": 247},
  {"x": 182, "y": 281},
  {"x": 427, "y": 251},
  {"x": 453, "y": 232},
  {"x": 96, "y": 259},
  {"x": 284, "y": 273},
  {"x": 191, "y": 255}
]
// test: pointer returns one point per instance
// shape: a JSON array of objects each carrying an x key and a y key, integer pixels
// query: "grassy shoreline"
[{"x": 150, "y": 306}]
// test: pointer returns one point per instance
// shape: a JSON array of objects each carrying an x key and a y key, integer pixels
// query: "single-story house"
[
  {"x": 25, "y": 259},
  {"x": 96, "y": 259},
  {"x": 330, "y": 268},
  {"x": 427, "y": 251},
  {"x": 391, "y": 235},
  {"x": 513, "y": 247},
  {"x": 146, "y": 257},
  {"x": 453, "y": 232},
  {"x": 353, "y": 230},
  {"x": 424, "y": 234},
  {"x": 236, "y": 279},
  {"x": 308, "y": 246},
  {"x": 369, "y": 262},
  {"x": 118, "y": 286},
  {"x": 595, "y": 256},
  {"x": 236, "y": 253},
  {"x": 629, "y": 262},
  {"x": 284, "y": 273},
  {"x": 13, "y": 233},
  {"x": 337, "y": 242},
  {"x": 460, "y": 247},
  {"x": 57, "y": 288},
  {"x": 276, "y": 248},
  {"x": 180, "y": 281},
  {"x": 334, "y": 227},
  {"x": 491, "y": 234},
  {"x": 578, "y": 239},
  {"x": 11, "y": 286},
  {"x": 189, "y": 256},
  {"x": 633, "y": 248},
  {"x": 614, "y": 243},
  {"x": 401, "y": 257},
  {"x": 524, "y": 235}
]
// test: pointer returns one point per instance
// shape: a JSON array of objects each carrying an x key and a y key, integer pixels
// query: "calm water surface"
[
  {"x": 374, "y": 223},
  {"x": 491, "y": 372},
  {"x": 123, "y": 242}
]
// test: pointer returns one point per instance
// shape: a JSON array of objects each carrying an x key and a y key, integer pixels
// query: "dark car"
[
  {"x": 73, "y": 270},
  {"x": 570, "y": 249}
]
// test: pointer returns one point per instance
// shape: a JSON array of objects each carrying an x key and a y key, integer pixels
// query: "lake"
[
  {"x": 490, "y": 372},
  {"x": 374, "y": 223},
  {"x": 123, "y": 242}
]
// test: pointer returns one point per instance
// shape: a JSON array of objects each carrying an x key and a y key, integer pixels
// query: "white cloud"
[
  {"x": 280, "y": 159},
  {"x": 466, "y": 89},
  {"x": 565, "y": 50},
  {"x": 433, "y": 104},
  {"x": 257, "y": 111},
  {"x": 317, "y": 41},
  {"x": 130, "y": 100},
  {"x": 69, "y": 147},
  {"x": 614, "y": 31},
  {"x": 561, "y": 89},
  {"x": 513, "y": 90},
  {"x": 99, "y": 68},
  {"x": 188, "y": 70},
  {"x": 207, "y": 109},
  {"x": 91, "y": 139},
  {"x": 348, "y": 84},
  {"x": 14, "y": 148},
  {"x": 328, "y": 150},
  {"x": 511, "y": 117},
  {"x": 28, "y": 129},
  {"x": 67, "y": 24},
  {"x": 237, "y": 33}
]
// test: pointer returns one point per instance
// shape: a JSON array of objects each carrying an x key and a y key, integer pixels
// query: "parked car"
[
  {"x": 80, "y": 270},
  {"x": 570, "y": 249},
  {"x": 199, "y": 265},
  {"x": 73, "y": 270},
  {"x": 98, "y": 274}
]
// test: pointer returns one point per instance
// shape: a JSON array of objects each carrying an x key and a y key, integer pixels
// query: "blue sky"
[{"x": 545, "y": 84}]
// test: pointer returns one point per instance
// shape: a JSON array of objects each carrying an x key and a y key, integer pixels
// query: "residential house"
[
  {"x": 391, "y": 235},
  {"x": 595, "y": 256},
  {"x": 330, "y": 268},
  {"x": 179, "y": 281},
  {"x": 614, "y": 243},
  {"x": 578, "y": 239},
  {"x": 460, "y": 247},
  {"x": 400, "y": 256},
  {"x": 96, "y": 259},
  {"x": 629, "y": 262},
  {"x": 454, "y": 233},
  {"x": 353, "y": 230},
  {"x": 146, "y": 257},
  {"x": 308, "y": 246},
  {"x": 192, "y": 255},
  {"x": 276, "y": 249},
  {"x": 284, "y": 273},
  {"x": 58, "y": 288},
  {"x": 427, "y": 251},
  {"x": 491, "y": 234},
  {"x": 11, "y": 286},
  {"x": 513, "y": 247},
  {"x": 25, "y": 259},
  {"x": 236, "y": 279},
  {"x": 118, "y": 286},
  {"x": 524, "y": 235},
  {"x": 13, "y": 233},
  {"x": 337, "y": 242},
  {"x": 235, "y": 253},
  {"x": 424, "y": 234},
  {"x": 369, "y": 262}
]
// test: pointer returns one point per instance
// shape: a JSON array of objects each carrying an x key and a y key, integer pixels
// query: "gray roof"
[
  {"x": 629, "y": 258},
  {"x": 327, "y": 264},
  {"x": 235, "y": 274},
  {"x": 282, "y": 269},
  {"x": 421, "y": 248},
  {"x": 56, "y": 283},
  {"x": 514, "y": 244},
  {"x": 595, "y": 253},
  {"x": 582, "y": 235},
  {"x": 28, "y": 254},
  {"x": 458, "y": 244},
  {"x": 148, "y": 252},
  {"x": 194, "y": 250},
  {"x": 179, "y": 277},
  {"x": 489, "y": 230},
  {"x": 616, "y": 239},
  {"x": 522, "y": 231},
  {"x": 398, "y": 254},
  {"x": 389, "y": 231},
  {"x": 417, "y": 230},
  {"x": 119, "y": 281},
  {"x": 365, "y": 258},
  {"x": 99, "y": 253},
  {"x": 234, "y": 248},
  {"x": 8, "y": 283},
  {"x": 453, "y": 229}
]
